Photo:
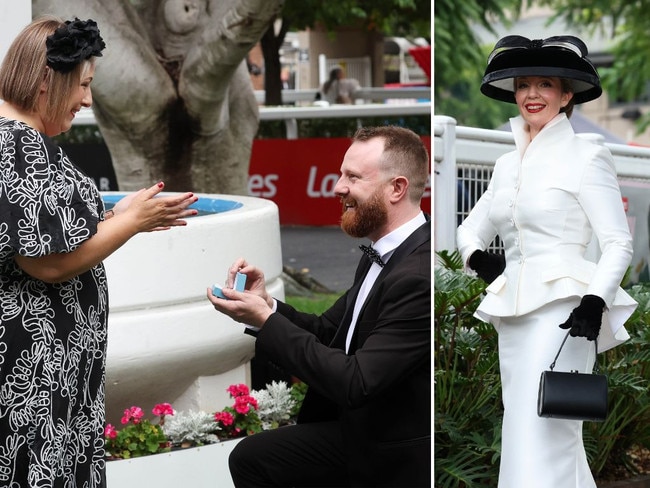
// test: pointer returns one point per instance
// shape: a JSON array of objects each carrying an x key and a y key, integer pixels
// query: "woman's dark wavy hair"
[{"x": 334, "y": 75}]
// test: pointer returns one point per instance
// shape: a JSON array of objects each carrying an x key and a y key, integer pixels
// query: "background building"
[{"x": 374, "y": 60}]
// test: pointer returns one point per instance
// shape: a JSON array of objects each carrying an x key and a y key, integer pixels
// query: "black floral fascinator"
[
  {"x": 557, "y": 56},
  {"x": 73, "y": 43}
]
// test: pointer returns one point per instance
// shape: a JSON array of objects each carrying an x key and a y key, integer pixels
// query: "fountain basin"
[{"x": 166, "y": 343}]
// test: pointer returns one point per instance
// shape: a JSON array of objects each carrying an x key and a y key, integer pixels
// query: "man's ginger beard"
[{"x": 366, "y": 217}]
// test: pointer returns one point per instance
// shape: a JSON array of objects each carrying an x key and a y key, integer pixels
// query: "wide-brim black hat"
[{"x": 558, "y": 56}]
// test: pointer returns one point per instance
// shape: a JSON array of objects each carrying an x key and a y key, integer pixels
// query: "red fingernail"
[{"x": 160, "y": 184}]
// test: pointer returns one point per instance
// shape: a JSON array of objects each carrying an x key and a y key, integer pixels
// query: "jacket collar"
[{"x": 557, "y": 126}]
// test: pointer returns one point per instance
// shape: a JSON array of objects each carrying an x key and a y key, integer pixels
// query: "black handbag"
[{"x": 575, "y": 396}]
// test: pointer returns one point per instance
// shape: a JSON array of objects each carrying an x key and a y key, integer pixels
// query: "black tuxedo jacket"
[{"x": 380, "y": 391}]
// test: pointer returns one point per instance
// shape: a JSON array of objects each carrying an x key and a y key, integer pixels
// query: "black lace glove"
[
  {"x": 487, "y": 265},
  {"x": 586, "y": 318}
]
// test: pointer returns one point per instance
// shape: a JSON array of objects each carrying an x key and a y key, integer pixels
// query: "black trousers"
[{"x": 304, "y": 455}]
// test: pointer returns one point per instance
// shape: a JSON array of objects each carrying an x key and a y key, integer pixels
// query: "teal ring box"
[{"x": 240, "y": 284}]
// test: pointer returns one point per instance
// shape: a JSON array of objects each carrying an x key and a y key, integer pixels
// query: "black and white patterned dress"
[{"x": 52, "y": 336}]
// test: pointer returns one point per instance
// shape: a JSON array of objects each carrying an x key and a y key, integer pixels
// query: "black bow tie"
[{"x": 372, "y": 255}]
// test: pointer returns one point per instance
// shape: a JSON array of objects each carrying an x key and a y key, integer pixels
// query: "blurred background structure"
[{"x": 615, "y": 33}]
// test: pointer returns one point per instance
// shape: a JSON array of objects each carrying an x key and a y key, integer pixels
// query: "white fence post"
[
  {"x": 322, "y": 69},
  {"x": 444, "y": 179}
]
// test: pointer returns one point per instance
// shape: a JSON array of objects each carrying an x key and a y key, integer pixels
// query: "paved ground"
[{"x": 327, "y": 254}]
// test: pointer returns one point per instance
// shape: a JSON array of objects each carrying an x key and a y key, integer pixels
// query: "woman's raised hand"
[{"x": 150, "y": 212}]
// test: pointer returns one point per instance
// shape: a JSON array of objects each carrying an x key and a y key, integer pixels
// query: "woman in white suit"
[{"x": 546, "y": 200}]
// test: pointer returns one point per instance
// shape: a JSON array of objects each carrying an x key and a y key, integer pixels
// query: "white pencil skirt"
[{"x": 540, "y": 452}]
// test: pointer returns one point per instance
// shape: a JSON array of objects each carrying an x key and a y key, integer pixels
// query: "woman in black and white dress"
[{"x": 54, "y": 234}]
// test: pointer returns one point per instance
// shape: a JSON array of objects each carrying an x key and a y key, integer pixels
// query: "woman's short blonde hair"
[{"x": 24, "y": 71}]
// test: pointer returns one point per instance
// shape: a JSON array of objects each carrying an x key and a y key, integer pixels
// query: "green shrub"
[
  {"x": 627, "y": 367},
  {"x": 467, "y": 388}
]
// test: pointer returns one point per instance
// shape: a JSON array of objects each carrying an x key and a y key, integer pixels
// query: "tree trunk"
[
  {"x": 172, "y": 96},
  {"x": 271, "y": 44}
]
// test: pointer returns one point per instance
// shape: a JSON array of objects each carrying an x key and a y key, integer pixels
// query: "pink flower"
[
  {"x": 133, "y": 414},
  {"x": 252, "y": 401},
  {"x": 238, "y": 390},
  {"x": 110, "y": 431},
  {"x": 225, "y": 418},
  {"x": 243, "y": 404},
  {"x": 137, "y": 413},
  {"x": 163, "y": 409}
]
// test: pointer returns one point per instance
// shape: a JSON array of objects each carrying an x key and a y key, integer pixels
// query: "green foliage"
[
  {"x": 316, "y": 304},
  {"x": 628, "y": 370},
  {"x": 627, "y": 23},
  {"x": 464, "y": 102},
  {"x": 138, "y": 439},
  {"x": 467, "y": 388},
  {"x": 391, "y": 17},
  {"x": 298, "y": 392},
  {"x": 467, "y": 391},
  {"x": 460, "y": 60}
]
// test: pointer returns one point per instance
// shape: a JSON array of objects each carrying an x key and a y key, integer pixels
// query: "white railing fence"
[
  {"x": 464, "y": 158},
  {"x": 406, "y": 102},
  {"x": 367, "y": 94}
]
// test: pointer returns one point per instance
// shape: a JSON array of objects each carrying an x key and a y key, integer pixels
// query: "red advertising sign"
[{"x": 299, "y": 175}]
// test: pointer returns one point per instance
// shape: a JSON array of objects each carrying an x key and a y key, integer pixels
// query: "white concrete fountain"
[{"x": 166, "y": 343}]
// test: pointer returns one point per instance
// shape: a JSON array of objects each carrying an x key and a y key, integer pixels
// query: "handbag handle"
[{"x": 595, "y": 370}]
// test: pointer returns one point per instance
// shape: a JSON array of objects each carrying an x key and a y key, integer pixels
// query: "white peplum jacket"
[{"x": 546, "y": 200}]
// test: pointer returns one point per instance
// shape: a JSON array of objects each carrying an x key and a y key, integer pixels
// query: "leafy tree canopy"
[
  {"x": 628, "y": 23},
  {"x": 391, "y": 17},
  {"x": 459, "y": 60}
]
